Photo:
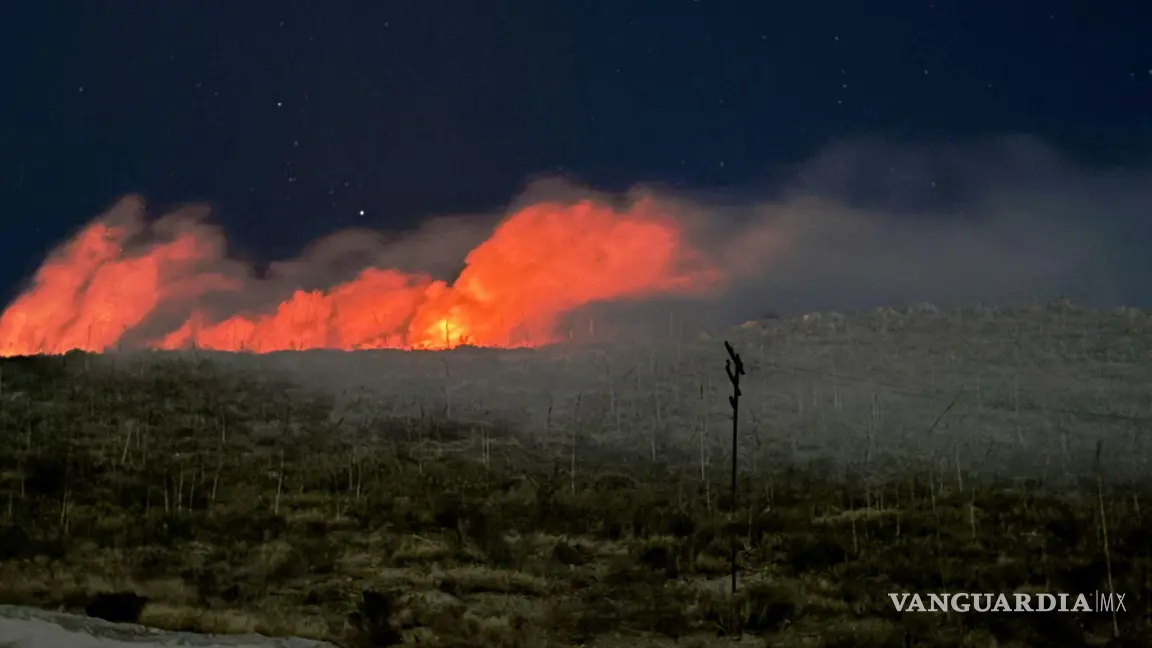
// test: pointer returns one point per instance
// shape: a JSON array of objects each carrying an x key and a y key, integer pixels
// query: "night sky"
[{"x": 294, "y": 119}]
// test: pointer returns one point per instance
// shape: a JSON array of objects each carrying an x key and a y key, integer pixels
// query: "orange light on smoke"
[{"x": 540, "y": 262}]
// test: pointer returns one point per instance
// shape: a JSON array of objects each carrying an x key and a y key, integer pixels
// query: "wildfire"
[{"x": 540, "y": 262}]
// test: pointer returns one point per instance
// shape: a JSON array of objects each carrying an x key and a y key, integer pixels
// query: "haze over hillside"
[{"x": 1024, "y": 391}]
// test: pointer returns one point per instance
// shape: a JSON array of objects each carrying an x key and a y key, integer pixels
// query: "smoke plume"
[{"x": 863, "y": 224}]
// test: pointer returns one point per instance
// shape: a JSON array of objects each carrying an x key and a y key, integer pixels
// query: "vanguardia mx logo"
[{"x": 980, "y": 602}]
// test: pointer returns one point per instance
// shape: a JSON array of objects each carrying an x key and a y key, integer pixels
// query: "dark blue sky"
[{"x": 292, "y": 117}]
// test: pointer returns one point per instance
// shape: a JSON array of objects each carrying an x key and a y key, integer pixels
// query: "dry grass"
[{"x": 237, "y": 504}]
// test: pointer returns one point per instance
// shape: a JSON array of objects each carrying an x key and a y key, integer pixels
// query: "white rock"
[{"x": 24, "y": 627}]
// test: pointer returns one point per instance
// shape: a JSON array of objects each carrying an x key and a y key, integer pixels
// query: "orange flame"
[{"x": 540, "y": 263}]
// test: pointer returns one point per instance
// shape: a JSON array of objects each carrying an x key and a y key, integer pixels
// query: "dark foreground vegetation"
[{"x": 182, "y": 498}]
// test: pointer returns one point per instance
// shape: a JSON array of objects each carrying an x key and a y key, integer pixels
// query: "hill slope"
[{"x": 511, "y": 498}]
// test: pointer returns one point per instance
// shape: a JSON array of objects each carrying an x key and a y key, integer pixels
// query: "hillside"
[
  {"x": 578, "y": 495},
  {"x": 1027, "y": 391}
]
